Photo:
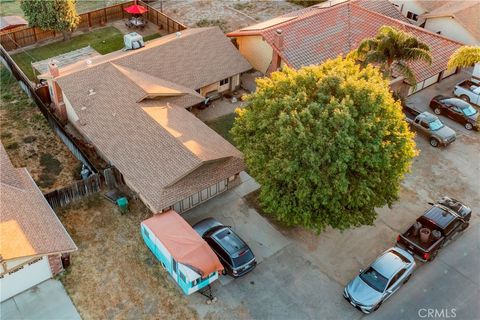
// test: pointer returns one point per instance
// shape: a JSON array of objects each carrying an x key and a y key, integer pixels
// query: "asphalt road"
[{"x": 447, "y": 288}]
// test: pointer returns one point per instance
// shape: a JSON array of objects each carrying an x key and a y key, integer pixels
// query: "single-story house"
[
  {"x": 458, "y": 20},
  {"x": 320, "y": 32},
  {"x": 32, "y": 239},
  {"x": 132, "y": 107}
]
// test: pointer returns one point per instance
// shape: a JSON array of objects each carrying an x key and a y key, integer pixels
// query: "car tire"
[
  {"x": 437, "y": 111},
  {"x": 468, "y": 126},
  {"x": 434, "y": 142},
  {"x": 465, "y": 98},
  {"x": 377, "y": 306},
  {"x": 408, "y": 278},
  {"x": 464, "y": 226}
]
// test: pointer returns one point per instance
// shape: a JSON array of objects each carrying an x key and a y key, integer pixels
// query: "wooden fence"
[
  {"x": 78, "y": 150},
  {"x": 109, "y": 178},
  {"x": 29, "y": 36}
]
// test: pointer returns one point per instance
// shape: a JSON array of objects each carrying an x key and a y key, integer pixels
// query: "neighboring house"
[
  {"x": 458, "y": 20},
  {"x": 32, "y": 239},
  {"x": 317, "y": 33},
  {"x": 132, "y": 107}
]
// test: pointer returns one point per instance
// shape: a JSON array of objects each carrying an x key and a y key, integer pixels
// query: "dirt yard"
[
  {"x": 29, "y": 140},
  {"x": 113, "y": 274},
  {"x": 228, "y": 15}
]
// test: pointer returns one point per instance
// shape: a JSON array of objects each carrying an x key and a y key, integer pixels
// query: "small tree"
[
  {"x": 58, "y": 15},
  {"x": 394, "y": 46},
  {"x": 327, "y": 143},
  {"x": 465, "y": 56}
]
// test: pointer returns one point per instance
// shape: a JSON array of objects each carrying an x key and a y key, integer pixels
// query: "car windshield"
[
  {"x": 243, "y": 257},
  {"x": 374, "y": 279},
  {"x": 469, "y": 111},
  {"x": 435, "y": 125}
]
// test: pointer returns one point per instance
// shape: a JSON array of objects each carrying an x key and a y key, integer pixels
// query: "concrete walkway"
[
  {"x": 66, "y": 59},
  {"x": 48, "y": 301}
]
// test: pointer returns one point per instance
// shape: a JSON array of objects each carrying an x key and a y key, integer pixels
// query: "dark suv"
[{"x": 235, "y": 255}]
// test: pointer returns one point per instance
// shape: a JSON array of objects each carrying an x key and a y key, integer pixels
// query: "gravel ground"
[{"x": 229, "y": 15}]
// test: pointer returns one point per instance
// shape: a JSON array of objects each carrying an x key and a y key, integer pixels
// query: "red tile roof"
[{"x": 318, "y": 34}]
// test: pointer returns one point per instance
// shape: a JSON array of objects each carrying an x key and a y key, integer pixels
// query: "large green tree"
[
  {"x": 58, "y": 15},
  {"x": 393, "y": 48},
  {"x": 327, "y": 143},
  {"x": 463, "y": 57}
]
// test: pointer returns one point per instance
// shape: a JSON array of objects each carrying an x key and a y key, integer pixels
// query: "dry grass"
[
  {"x": 29, "y": 140},
  {"x": 114, "y": 275}
]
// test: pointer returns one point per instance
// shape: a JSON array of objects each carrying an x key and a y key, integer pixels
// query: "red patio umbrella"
[{"x": 136, "y": 9}]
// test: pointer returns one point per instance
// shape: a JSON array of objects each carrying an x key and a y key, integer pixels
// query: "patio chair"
[{"x": 128, "y": 23}]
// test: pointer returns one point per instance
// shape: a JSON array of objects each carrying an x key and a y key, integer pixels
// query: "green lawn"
[
  {"x": 103, "y": 40},
  {"x": 12, "y": 7},
  {"x": 223, "y": 125}
]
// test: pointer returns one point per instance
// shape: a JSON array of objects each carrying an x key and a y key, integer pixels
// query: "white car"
[
  {"x": 380, "y": 280},
  {"x": 469, "y": 91}
]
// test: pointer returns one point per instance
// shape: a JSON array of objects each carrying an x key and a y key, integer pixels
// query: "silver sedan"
[{"x": 380, "y": 280}]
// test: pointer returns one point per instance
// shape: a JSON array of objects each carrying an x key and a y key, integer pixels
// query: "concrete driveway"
[
  {"x": 301, "y": 274},
  {"x": 48, "y": 301},
  {"x": 421, "y": 100}
]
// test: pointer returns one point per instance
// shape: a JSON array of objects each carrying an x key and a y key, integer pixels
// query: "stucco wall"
[
  {"x": 451, "y": 29},
  {"x": 256, "y": 51},
  {"x": 71, "y": 114},
  {"x": 409, "y": 5}
]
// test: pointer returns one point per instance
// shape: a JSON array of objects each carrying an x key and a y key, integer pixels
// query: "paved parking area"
[
  {"x": 46, "y": 301},
  {"x": 421, "y": 100},
  {"x": 302, "y": 275}
]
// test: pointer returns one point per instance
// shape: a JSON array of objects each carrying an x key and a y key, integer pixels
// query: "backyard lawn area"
[
  {"x": 12, "y": 7},
  {"x": 223, "y": 125},
  {"x": 29, "y": 140},
  {"x": 104, "y": 40},
  {"x": 113, "y": 274}
]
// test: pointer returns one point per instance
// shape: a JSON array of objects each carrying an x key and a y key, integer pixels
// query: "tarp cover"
[{"x": 183, "y": 243}]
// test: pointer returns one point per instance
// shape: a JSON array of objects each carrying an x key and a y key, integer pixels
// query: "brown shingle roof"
[
  {"x": 320, "y": 34},
  {"x": 163, "y": 151},
  {"x": 467, "y": 13},
  {"x": 28, "y": 226}
]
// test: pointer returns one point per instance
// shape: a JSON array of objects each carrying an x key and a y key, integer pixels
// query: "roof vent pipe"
[{"x": 178, "y": 34}]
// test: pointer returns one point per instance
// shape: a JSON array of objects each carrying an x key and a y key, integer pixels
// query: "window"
[
  {"x": 412, "y": 16},
  {"x": 174, "y": 265},
  {"x": 224, "y": 82},
  {"x": 374, "y": 279},
  {"x": 395, "y": 278},
  {"x": 424, "y": 124},
  {"x": 182, "y": 276},
  {"x": 436, "y": 125}
]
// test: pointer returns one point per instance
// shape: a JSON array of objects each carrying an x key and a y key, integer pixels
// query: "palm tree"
[
  {"x": 393, "y": 48},
  {"x": 465, "y": 56}
]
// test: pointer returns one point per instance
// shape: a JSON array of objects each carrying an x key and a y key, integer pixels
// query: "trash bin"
[
  {"x": 122, "y": 203},
  {"x": 65, "y": 260}
]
